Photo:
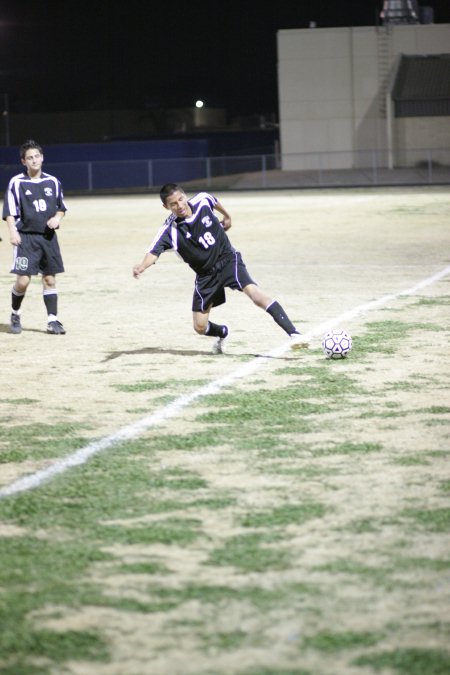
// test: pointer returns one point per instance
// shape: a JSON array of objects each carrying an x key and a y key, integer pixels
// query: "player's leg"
[
  {"x": 271, "y": 306},
  {"x": 208, "y": 293},
  {"x": 24, "y": 268},
  {"x": 203, "y": 326},
  {"x": 17, "y": 295},
  {"x": 276, "y": 311},
  {"x": 50, "y": 295},
  {"x": 201, "y": 321},
  {"x": 51, "y": 264}
]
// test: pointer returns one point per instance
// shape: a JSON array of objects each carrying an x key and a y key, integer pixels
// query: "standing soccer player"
[
  {"x": 196, "y": 234},
  {"x": 33, "y": 209}
]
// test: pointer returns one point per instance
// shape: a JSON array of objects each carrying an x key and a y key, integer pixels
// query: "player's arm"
[
  {"x": 226, "y": 216},
  {"x": 54, "y": 222},
  {"x": 14, "y": 235},
  {"x": 148, "y": 261}
]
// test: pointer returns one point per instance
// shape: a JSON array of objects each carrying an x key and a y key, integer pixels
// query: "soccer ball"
[{"x": 336, "y": 344}]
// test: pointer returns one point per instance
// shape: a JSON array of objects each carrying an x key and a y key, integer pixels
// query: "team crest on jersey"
[
  {"x": 48, "y": 191},
  {"x": 28, "y": 192},
  {"x": 21, "y": 263}
]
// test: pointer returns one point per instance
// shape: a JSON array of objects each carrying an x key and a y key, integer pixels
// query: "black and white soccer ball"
[{"x": 337, "y": 344}]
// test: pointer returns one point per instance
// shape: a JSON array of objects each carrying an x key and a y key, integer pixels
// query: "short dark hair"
[
  {"x": 168, "y": 189},
  {"x": 29, "y": 145}
]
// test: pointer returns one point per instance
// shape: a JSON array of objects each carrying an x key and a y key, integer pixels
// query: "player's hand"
[
  {"x": 137, "y": 270},
  {"x": 226, "y": 223},
  {"x": 53, "y": 223},
  {"x": 15, "y": 239}
]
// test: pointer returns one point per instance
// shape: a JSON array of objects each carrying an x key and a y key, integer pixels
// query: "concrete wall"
[
  {"x": 331, "y": 85},
  {"x": 416, "y": 136}
]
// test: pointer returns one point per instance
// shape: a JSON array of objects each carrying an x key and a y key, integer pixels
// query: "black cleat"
[
  {"x": 16, "y": 326},
  {"x": 55, "y": 328}
]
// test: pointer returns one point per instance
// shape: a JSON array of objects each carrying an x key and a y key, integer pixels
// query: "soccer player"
[
  {"x": 196, "y": 234},
  {"x": 33, "y": 209}
]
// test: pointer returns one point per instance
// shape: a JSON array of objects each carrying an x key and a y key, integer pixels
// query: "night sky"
[{"x": 102, "y": 54}]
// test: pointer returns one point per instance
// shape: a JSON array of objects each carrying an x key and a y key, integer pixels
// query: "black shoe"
[
  {"x": 55, "y": 328},
  {"x": 16, "y": 326}
]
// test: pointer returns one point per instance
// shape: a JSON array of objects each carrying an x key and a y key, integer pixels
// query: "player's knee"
[
  {"x": 49, "y": 282},
  {"x": 21, "y": 284},
  {"x": 200, "y": 326}
]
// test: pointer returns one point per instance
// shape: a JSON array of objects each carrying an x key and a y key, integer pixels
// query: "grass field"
[{"x": 261, "y": 512}]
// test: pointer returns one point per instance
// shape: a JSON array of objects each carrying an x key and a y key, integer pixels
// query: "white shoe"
[
  {"x": 218, "y": 345},
  {"x": 299, "y": 341}
]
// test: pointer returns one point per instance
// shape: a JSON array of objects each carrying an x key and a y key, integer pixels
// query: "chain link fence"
[{"x": 244, "y": 172}]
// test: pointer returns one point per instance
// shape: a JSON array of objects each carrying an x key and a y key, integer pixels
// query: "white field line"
[{"x": 135, "y": 429}]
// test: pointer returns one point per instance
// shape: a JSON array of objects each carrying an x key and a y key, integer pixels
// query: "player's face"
[
  {"x": 178, "y": 204},
  {"x": 33, "y": 161}
]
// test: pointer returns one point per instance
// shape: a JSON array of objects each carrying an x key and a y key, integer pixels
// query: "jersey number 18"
[
  {"x": 40, "y": 205},
  {"x": 207, "y": 240}
]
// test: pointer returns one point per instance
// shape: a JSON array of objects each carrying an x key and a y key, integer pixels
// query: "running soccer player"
[
  {"x": 33, "y": 209},
  {"x": 196, "y": 234}
]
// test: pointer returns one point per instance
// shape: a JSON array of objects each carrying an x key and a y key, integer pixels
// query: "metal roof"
[{"x": 422, "y": 86}]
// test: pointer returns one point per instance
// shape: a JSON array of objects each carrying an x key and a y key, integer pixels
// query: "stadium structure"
[{"x": 346, "y": 92}]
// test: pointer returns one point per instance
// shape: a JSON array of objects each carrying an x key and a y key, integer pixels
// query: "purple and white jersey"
[
  {"x": 33, "y": 202},
  {"x": 200, "y": 240}
]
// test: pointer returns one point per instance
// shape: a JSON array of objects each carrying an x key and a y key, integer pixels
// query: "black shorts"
[
  {"x": 37, "y": 254},
  {"x": 229, "y": 272}
]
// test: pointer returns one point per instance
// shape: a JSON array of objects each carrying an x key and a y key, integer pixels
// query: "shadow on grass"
[
  {"x": 5, "y": 328},
  {"x": 188, "y": 352}
]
